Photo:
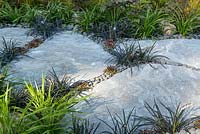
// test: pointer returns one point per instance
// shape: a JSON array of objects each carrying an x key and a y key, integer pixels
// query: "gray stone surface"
[
  {"x": 66, "y": 52},
  {"x": 16, "y": 34},
  {"x": 74, "y": 54}
]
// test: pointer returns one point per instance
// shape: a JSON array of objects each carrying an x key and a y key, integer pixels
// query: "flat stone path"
[
  {"x": 67, "y": 53},
  {"x": 75, "y": 54}
]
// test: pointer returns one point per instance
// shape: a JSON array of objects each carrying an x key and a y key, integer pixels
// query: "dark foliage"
[
  {"x": 134, "y": 55},
  {"x": 45, "y": 28},
  {"x": 165, "y": 119},
  {"x": 125, "y": 124},
  {"x": 8, "y": 52},
  {"x": 83, "y": 126}
]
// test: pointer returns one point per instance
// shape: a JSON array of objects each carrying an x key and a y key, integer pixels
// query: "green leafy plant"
[
  {"x": 164, "y": 119},
  {"x": 149, "y": 24},
  {"x": 125, "y": 124},
  {"x": 185, "y": 23},
  {"x": 30, "y": 13},
  {"x": 42, "y": 114},
  {"x": 9, "y": 14},
  {"x": 4, "y": 80},
  {"x": 86, "y": 19},
  {"x": 7, "y": 122},
  {"x": 58, "y": 11},
  {"x": 155, "y": 4}
]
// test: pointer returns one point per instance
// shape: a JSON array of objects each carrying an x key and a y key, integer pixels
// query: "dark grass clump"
[
  {"x": 134, "y": 55},
  {"x": 60, "y": 86},
  {"x": 164, "y": 119},
  {"x": 83, "y": 126},
  {"x": 8, "y": 52},
  {"x": 45, "y": 28},
  {"x": 125, "y": 124}
]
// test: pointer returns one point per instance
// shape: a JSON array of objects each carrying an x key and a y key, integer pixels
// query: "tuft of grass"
[
  {"x": 60, "y": 86},
  {"x": 185, "y": 22},
  {"x": 86, "y": 18},
  {"x": 8, "y": 52},
  {"x": 7, "y": 122},
  {"x": 155, "y": 4},
  {"x": 30, "y": 13},
  {"x": 4, "y": 80},
  {"x": 164, "y": 119},
  {"x": 44, "y": 28},
  {"x": 134, "y": 55},
  {"x": 59, "y": 11},
  {"x": 9, "y": 14},
  {"x": 125, "y": 124},
  {"x": 149, "y": 23},
  {"x": 83, "y": 126},
  {"x": 42, "y": 114}
]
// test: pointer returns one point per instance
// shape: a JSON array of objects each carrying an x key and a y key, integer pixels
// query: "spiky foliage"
[
  {"x": 8, "y": 51},
  {"x": 60, "y": 86},
  {"x": 10, "y": 14},
  {"x": 58, "y": 11},
  {"x": 149, "y": 23},
  {"x": 164, "y": 119},
  {"x": 185, "y": 22},
  {"x": 123, "y": 28},
  {"x": 4, "y": 80},
  {"x": 134, "y": 55},
  {"x": 83, "y": 126},
  {"x": 30, "y": 13},
  {"x": 41, "y": 114},
  {"x": 7, "y": 122},
  {"x": 125, "y": 124},
  {"x": 44, "y": 28},
  {"x": 155, "y": 4},
  {"x": 48, "y": 114},
  {"x": 86, "y": 18}
]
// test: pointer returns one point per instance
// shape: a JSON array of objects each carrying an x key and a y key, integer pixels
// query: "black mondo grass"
[
  {"x": 122, "y": 124},
  {"x": 83, "y": 126},
  {"x": 134, "y": 55},
  {"x": 8, "y": 52},
  {"x": 164, "y": 119},
  {"x": 44, "y": 28},
  {"x": 60, "y": 86}
]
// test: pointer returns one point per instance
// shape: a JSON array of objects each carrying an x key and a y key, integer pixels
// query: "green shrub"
[
  {"x": 4, "y": 80},
  {"x": 149, "y": 24},
  {"x": 155, "y": 4},
  {"x": 86, "y": 18},
  {"x": 8, "y": 123},
  {"x": 30, "y": 13},
  {"x": 185, "y": 22},
  {"x": 58, "y": 11},
  {"x": 9, "y": 14},
  {"x": 42, "y": 114}
]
